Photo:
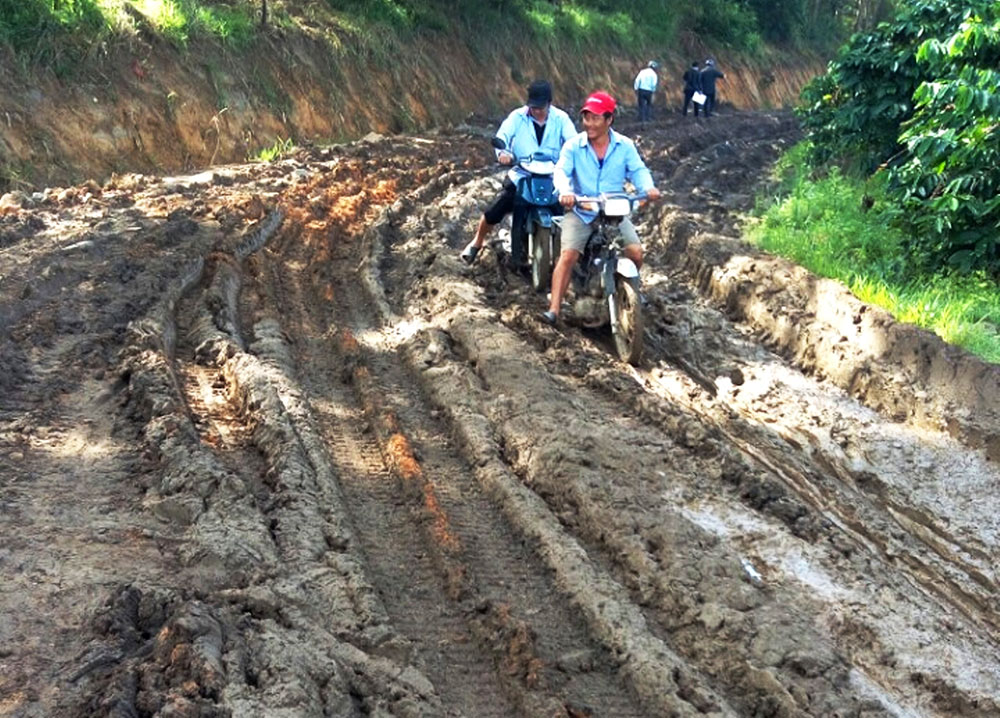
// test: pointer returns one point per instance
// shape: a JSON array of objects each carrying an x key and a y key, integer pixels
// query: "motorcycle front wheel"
[
  {"x": 628, "y": 331},
  {"x": 541, "y": 258}
]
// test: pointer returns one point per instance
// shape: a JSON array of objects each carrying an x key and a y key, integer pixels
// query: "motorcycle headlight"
[{"x": 617, "y": 207}]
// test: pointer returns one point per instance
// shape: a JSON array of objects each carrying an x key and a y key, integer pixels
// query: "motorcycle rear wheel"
[
  {"x": 541, "y": 258},
  {"x": 628, "y": 335}
]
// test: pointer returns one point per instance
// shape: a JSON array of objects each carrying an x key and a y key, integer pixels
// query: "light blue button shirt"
[
  {"x": 518, "y": 132},
  {"x": 579, "y": 171},
  {"x": 646, "y": 80}
]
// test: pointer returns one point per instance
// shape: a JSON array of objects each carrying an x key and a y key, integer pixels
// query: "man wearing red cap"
[{"x": 596, "y": 160}]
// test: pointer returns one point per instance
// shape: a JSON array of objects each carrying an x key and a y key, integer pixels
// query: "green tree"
[
  {"x": 949, "y": 177},
  {"x": 918, "y": 97},
  {"x": 780, "y": 22}
]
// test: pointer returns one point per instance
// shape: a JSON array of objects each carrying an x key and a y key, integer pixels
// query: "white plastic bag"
[{"x": 699, "y": 98}]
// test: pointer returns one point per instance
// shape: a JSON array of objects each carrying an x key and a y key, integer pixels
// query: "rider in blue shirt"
[
  {"x": 595, "y": 161},
  {"x": 537, "y": 126}
]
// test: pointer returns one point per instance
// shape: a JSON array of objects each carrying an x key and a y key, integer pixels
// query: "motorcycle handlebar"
[
  {"x": 611, "y": 195},
  {"x": 535, "y": 157},
  {"x": 500, "y": 145}
]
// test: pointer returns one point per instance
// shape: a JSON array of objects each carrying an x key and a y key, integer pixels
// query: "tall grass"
[
  {"x": 64, "y": 31},
  {"x": 181, "y": 20},
  {"x": 52, "y": 32},
  {"x": 595, "y": 25},
  {"x": 279, "y": 149},
  {"x": 843, "y": 228}
]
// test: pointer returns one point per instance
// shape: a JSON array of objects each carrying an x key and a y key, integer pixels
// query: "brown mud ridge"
[{"x": 268, "y": 448}]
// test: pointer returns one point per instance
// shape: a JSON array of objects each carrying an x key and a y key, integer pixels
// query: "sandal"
[{"x": 468, "y": 254}]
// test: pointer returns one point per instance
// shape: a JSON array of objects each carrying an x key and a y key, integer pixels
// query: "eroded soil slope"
[{"x": 268, "y": 448}]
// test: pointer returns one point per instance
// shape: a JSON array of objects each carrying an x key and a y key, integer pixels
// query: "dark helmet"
[{"x": 539, "y": 94}]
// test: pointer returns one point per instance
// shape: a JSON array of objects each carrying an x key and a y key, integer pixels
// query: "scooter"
[
  {"x": 604, "y": 286},
  {"x": 538, "y": 232}
]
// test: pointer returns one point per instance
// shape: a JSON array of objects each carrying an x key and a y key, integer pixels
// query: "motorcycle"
[
  {"x": 604, "y": 285},
  {"x": 538, "y": 232}
]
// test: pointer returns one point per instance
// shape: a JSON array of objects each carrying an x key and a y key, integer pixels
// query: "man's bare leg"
[
  {"x": 560, "y": 278},
  {"x": 473, "y": 247},
  {"x": 634, "y": 252}
]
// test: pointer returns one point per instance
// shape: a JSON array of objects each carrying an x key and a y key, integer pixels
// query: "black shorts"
[{"x": 503, "y": 204}]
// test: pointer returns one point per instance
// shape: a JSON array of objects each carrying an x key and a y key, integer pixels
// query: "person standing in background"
[
  {"x": 709, "y": 74},
  {"x": 692, "y": 84},
  {"x": 645, "y": 85}
]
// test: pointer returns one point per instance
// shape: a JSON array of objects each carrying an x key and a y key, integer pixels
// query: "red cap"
[{"x": 599, "y": 103}]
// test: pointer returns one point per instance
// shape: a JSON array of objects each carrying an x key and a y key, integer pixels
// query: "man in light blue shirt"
[
  {"x": 645, "y": 86},
  {"x": 538, "y": 126},
  {"x": 596, "y": 160}
]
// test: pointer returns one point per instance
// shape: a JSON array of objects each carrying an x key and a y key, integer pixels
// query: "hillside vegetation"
[
  {"x": 60, "y": 32},
  {"x": 97, "y": 87}
]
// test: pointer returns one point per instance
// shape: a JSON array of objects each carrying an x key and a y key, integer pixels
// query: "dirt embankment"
[
  {"x": 154, "y": 108},
  {"x": 267, "y": 447}
]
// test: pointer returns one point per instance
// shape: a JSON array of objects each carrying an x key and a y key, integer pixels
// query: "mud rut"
[{"x": 268, "y": 448}]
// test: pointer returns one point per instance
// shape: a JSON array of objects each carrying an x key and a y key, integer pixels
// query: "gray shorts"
[{"x": 575, "y": 233}]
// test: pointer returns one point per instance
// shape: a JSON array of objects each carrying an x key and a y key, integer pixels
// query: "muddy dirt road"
[{"x": 267, "y": 448}]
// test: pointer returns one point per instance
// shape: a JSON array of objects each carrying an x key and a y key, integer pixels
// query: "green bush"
[
  {"x": 47, "y": 29},
  {"x": 833, "y": 224},
  {"x": 854, "y": 111},
  {"x": 232, "y": 26},
  {"x": 385, "y": 13},
  {"x": 920, "y": 98},
  {"x": 733, "y": 24}
]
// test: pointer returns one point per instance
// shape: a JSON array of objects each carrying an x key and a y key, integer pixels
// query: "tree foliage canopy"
[{"x": 919, "y": 98}]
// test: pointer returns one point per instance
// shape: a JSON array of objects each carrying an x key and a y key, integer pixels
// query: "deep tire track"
[
  {"x": 501, "y": 573},
  {"x": 387, "y": 524}
]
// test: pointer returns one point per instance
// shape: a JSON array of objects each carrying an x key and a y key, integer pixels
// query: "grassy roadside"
[{"x": 843, "y": 229}]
